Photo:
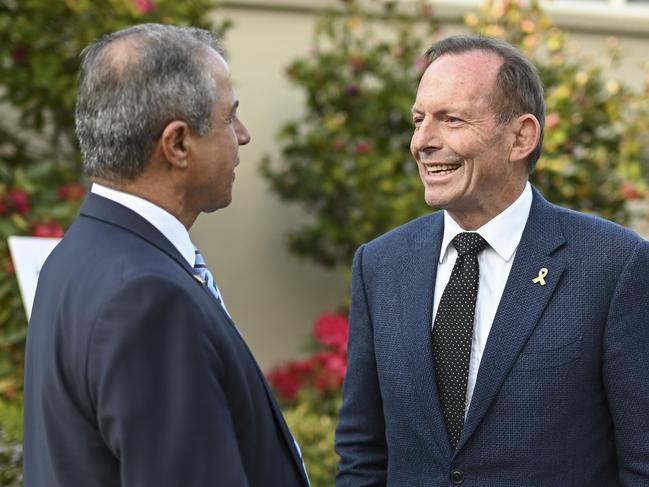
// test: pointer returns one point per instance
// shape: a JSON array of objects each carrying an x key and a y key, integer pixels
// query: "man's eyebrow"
[{"x": 414, "y": 110}]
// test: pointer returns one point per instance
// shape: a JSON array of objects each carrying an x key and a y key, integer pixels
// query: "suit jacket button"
[{"x": 457, "y": 476}]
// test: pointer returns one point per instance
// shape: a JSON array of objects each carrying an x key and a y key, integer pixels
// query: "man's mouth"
[{"x": 440, "y": 169}]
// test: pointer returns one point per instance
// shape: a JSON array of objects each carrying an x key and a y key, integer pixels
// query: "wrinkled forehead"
[
  {"x": 479, "y": 68},
  {"x": 469, "y": 77}
]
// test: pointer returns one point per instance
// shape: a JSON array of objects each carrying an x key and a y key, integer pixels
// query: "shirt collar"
[
  {"x": 167, "y": 224},
  {"x": 503, "y": 232}
]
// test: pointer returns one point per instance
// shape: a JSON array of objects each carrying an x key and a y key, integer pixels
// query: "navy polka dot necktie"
[{"x": 453, "y": 332}]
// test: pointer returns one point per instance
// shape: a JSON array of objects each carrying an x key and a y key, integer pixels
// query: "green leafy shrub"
[
  {"x": 40, "y": 176},
  {"x": 11, "y": 452},
  {"x": 346, "y": 161},
  {"x": 592, "y": 159}
]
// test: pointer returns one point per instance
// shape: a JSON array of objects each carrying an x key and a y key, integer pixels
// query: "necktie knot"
[{"x": 469, "y": 243}]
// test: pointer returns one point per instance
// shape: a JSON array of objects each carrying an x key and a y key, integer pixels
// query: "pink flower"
[
  {"x": 18, "y": 201},
  {"x": 552, "y": 120},
  {"x": 332, "y": 330},
  {"x": 330, "y": 371},
  {"x": 334, "y": 363},
  {"x": 145, "y": 6},
  {"x": 363, "y": 147}
]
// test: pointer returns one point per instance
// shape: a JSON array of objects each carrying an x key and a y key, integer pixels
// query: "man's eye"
[
  {"x": 417, "y": 121},
  {"x": 453, "y": 120}
]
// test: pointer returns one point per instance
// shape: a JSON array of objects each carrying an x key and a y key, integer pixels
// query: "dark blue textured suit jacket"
[
  {"x": 135, "y": 377},
  {"x": 562, "y": 394}
]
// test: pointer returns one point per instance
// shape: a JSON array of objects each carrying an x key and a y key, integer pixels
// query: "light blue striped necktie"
[{"x": 204, "y": 273}]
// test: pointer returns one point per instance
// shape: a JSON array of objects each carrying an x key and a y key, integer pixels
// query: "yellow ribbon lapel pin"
[{"x": 540, "y": 279}]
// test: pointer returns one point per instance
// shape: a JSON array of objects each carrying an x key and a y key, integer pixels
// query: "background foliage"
[
  {"x": 40, "y": 175},
  {"x": 41, "y": 185},
  {"x": 347, "y": 163},
  {"x": 310, "y": 392}
]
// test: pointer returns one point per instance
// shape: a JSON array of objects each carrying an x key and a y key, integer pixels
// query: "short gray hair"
[
  {"x": 519, "y": 87},
  {"x": 133, "y": 83}
]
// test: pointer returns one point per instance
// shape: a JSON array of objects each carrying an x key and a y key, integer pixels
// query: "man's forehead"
[
  {"x": 480, "y": 62},
  {"x": 470, "y": 72}
]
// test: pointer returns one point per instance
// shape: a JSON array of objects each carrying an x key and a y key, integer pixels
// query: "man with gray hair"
[
  {"x": 502, "y": 341},
  {"x": 135, "y": 373}
]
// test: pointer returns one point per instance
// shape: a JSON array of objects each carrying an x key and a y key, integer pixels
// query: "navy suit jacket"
[
  {"x": 136, "y": 377},
  {"x": 562, "y": 393}
]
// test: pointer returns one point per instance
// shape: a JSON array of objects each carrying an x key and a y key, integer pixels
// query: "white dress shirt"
[
  {"x": 503, "y": 234},
  {"x": 167, "y": 224}
]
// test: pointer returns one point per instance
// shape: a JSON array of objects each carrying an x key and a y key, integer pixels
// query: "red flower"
[
  {"x": 18, "y": 201},
  {"x": 330, "y": 372},
  {"x": 332, "y": 330},
  {"x": 51, "y": 230},
  {"x": 363, "y": 147},
  {"x": 629, "y": 192},
  {"x": 72, "y": 192},
  {"x": 334, "y": 363},
  {"x": 289, "y": 379},
  {"x": 145, "y": 6}
]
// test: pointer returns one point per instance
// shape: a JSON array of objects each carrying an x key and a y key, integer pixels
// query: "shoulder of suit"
[
  {"x": 593, "y": 229},
  {"x": 409, "y": 235}
]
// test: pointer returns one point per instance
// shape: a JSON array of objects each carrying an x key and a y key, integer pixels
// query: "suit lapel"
[
  {"x": 101, "y": 208},
  {"x": 522, "y": 303},
  {"x": 416, "y": 274}
]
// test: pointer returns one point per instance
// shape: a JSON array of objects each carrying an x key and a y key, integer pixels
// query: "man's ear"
[
  {"x": 526, "y": 132},
  {"x": 174, "y": 143}
]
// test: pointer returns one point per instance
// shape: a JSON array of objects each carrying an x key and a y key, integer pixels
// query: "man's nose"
[
  {"x": 425, "y": 138},
  {"x": 243, "y": 135}
]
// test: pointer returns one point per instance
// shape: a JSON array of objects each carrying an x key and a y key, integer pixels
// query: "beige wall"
[{"x": 272, "y": 295}]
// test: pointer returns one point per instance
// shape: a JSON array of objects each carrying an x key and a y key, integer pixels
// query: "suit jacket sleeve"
[
  {"x": 160, "y": 389},
  {"x": 625, "y": 367},
  {"x": 360, "y": 436}
]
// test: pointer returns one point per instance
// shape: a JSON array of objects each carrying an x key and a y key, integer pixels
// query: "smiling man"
[
  {"x": 503, "y": 340},
  {"x": 135, "y": 372}
]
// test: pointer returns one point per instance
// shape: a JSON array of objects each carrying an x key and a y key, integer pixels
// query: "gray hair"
[
  {"x": 519, "y": 88},
  {"x": 133, "y": 83}
]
